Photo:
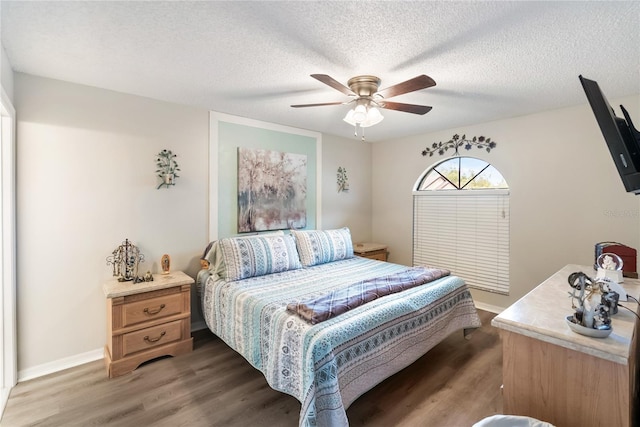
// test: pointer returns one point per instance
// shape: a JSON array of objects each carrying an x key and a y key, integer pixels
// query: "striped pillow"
[
  {"x": 212, "y": 252},
  {"x": 322, "y": 246},
  {"x": 240, "y": 258}
]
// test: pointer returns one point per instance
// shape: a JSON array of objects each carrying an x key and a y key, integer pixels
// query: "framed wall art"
[
  {"x": 230, "y": 133},
  {"x": 272, "y": 190}
]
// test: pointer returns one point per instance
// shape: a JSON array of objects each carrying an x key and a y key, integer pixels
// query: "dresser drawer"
[
  {"x": 151, "y": 309},
  {"x": 155, "y": 336}
]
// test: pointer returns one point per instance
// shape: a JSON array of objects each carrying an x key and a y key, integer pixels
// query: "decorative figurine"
[
  {"x": 125, "y": 259},
  {"x": 594, "y": 303},
  {"x": 165, "y": 262},
  {"x": 608, "y": 263},
  {"x": 148, "y": 277},
  {"x": 610, "y": 267}
]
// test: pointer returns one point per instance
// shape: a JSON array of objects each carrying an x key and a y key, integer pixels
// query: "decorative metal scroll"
[
  {"x": 125, "y": 259},
  {"x": 343, "y": 181},
  {"x": 456, "y": 142}
]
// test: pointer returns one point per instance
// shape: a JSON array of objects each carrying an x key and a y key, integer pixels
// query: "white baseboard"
[
  {"x": 60, "y": 364},
  {"x": 4, "y": 396},
  {"x": 488, "y": 307},
  {"x": 71, "y": 361}
]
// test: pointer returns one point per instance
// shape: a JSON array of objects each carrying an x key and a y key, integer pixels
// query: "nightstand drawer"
[
  {"x": 371, "y": 250},
  {"x": 151, "y": 309},
  {"x": 144, "y": 339},
  {"x": 379, "y": 255}
]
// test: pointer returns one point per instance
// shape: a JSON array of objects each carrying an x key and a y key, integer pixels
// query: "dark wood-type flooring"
[{"x": 456, "y": 384}]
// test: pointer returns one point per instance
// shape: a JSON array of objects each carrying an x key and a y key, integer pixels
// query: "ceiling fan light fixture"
[
  {"x": 374, "y": 116},
  {"x": 363, "y": 116},
  {"x": 360, "y": 113},
  {"x": 349, "y": 118}
]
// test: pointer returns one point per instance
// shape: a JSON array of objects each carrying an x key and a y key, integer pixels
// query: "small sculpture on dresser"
[{"x": 594, "y": 303}]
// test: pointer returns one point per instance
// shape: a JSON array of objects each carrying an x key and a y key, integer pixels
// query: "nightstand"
[
  {"x": 371, "y": 250},
  {"x": 147, "y": 320}
]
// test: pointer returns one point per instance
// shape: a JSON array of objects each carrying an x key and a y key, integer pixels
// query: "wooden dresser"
[
  {"x": 371, "y": 250},
  {"x": 556, "y": 375},
  {"x": 147, "y": 320}
]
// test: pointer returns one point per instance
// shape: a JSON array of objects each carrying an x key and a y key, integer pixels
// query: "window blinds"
[{"x": 466, "y": 232}]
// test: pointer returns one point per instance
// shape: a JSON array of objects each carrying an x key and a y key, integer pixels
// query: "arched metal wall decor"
[{"x": 456, "y": 142}]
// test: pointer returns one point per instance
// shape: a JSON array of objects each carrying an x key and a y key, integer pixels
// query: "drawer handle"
[
  {"x": 147, "y": 339},
  {"x": 154, "y": 312}
]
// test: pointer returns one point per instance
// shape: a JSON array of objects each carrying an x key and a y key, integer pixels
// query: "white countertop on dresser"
[
  {"x": 541, "y": 314},
  {"x": 113, "y": 288}
]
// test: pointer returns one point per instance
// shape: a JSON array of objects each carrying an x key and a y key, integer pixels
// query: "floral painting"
[{"x": 272, "y": 190}]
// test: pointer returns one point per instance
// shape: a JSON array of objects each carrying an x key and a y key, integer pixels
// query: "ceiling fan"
[{"x": 364, "y": 93}]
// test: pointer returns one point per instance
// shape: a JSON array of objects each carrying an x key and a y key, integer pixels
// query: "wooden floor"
[{"x": 456, "y": 384}]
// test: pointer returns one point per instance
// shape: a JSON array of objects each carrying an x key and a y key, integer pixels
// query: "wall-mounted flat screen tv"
[{"x": 622, "y": 138}]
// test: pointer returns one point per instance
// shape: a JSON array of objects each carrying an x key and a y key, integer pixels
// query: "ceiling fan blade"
[
  {"x": 420, "y": 82},
  {"x": 407, "y": 108},
  {"x": 330, "y": 81},
  {"x": 318, "y": 105}
]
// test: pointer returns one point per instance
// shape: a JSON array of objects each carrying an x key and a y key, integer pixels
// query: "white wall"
[
  {"x": 566, "y": 194},
  {"x": 86, "y": 181},
  {"x": 351, "y": 208},
  {"x": 6, "y": 74}
]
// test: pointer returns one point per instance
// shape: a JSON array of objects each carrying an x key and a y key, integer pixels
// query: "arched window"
[
  {"x": 461, "y": 222},
  {"x": 461, "y": 173}
]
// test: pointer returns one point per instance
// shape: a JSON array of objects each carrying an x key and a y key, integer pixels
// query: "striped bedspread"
[{"x": 328, "y": 365}]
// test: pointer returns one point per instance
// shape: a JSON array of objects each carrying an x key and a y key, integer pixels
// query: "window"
[
  {"x": 461, "y": 222},
  {"x": 461, "y": 173}
]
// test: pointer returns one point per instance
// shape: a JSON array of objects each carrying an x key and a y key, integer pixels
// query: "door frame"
[{"x": 8, "y": 344}]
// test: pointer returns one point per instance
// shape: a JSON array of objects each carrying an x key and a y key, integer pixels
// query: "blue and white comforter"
[{"x": 328, "y": 365}]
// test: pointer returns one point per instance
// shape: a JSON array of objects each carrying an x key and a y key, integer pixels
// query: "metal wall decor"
[
  {"x": 456, "y": 142},
  {"x": 125, "y": 260},
  {"x": 167, "y": 168},
  {"x": 342, "y": 181}
]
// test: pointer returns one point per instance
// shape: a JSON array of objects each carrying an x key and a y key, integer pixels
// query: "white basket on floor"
[{"x": 511, "y": 421}]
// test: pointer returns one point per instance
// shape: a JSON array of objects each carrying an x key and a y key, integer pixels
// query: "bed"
[{"x": 286, "y": 303}]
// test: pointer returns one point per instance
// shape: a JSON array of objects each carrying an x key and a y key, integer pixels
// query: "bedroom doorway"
[{"x": 8, "y": 347}]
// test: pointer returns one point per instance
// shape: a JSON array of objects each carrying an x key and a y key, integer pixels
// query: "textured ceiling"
[{"x": 490, "y": 60}]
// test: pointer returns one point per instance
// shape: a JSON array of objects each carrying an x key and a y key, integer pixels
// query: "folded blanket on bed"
[{"x": 341, "y": 300}]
